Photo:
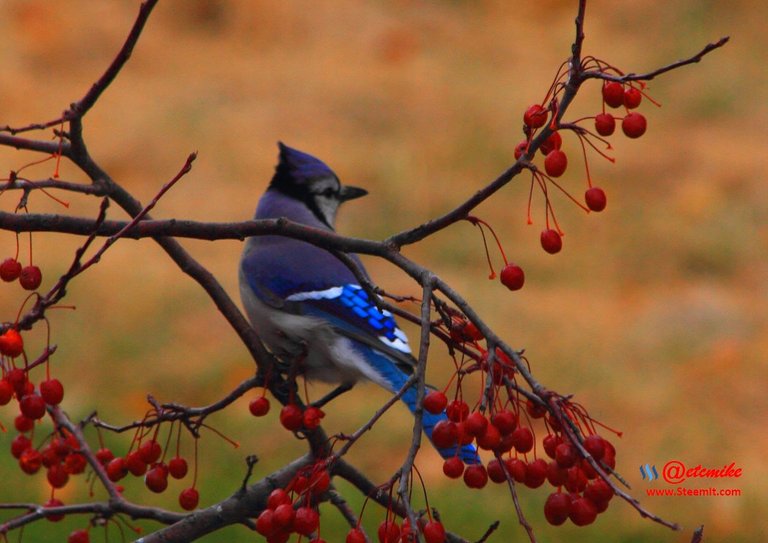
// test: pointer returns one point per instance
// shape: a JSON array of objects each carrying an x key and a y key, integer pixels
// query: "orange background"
[{"x": 654, "y": 315}]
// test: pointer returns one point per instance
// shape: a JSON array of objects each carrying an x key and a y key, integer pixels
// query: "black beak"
[{"x": 348, "y": 192}]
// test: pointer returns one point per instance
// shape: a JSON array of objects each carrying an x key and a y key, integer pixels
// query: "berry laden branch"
[{"x": 501, "y": 422}]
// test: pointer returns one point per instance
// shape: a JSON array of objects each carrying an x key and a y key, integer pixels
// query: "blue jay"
[{"x": 308, "y": 306}]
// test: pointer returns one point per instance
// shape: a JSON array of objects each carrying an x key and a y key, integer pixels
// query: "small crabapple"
[
  {"x": 554, "y": 141},
  {"x": 598, "y": 491},
  {"x": 156, "y": 479},
  {"x": 6, "y": 391},
  {"x": 189, "y": 498},
  {"x": 634, "y": 125},
  {"x": 445, "y": 434},
  {"x": 150, "y": 451},
  {"x": 53, "y": 502},
  {"x": 284, "y": 515},
  {"x": 434, "y": 532},
  {"x": 30, "y": 277},
  {"x": 259, "y": 406},
  {"x": 277, "y": 497},
  {"x": 57, "y": 476},
  {"x": 475, "y": 476},
  {"x": 312, "y": 416},
  {"x": 30, "y": 461},
  {"x": 104, "y": 455},
  {"x": 536, "y": 473},
  {"x": 551, "y": 241},
  {"x": 496, "y": 471},
  {"x": 613, "y": 94},
  {"x": 10, "y": 270},
  {"x": 306, "y": 521},
  {"x": 557, "y": 508},
  {"x": 505, "y": 421},
  {"x": 453, "y": 467},
  {"x": 52, "y": 391},
  {"x": 11, "y": 344},
  {"x": 355, "y": 535},
  {"x": 605, "y": 124},
  {"x": 555, "y": 474},
  {"x": 595, "y": 446},
  {"x": 555, "y": 163},
  {"x": 135, "y": 464},
  {"x": 583, "y": 511},
  {"x": 75, "y": 463},
  {"x": 565, "y": 455},
  {"x": 435, "y": 401},
  {"x": 490, "y": 440},
  {"x": 535, "y": 116},
  {"x": 476, "y": 424},
  {"x": 291, "y": 417},
  {"x": 116, "y": 469},
  {"x": 79, "y": 536},
  {"x": 516, "y": 469},
  {"x": 522, "y": 439},
  {"x": 23, "y": 423},
  {"x": 264, "y": 522},
  {"x": 388, "y": 532},
  {"x": 32, "y": 406},
  {"x": 457, "y": 410},
  {"x": 595, "y": 198},
  {"x": 512, "y": 277},
  {"x": 177, "y": 467},
  {"x": 632, "y": 97}
]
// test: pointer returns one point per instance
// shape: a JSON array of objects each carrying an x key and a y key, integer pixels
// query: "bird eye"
[{"x": 328, "y": 192}]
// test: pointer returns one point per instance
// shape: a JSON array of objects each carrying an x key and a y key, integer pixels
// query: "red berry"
[
  {"x": 53, "y": 502},
  {"x": 57, "y": 476},
  {"x": 30, "y": 461},
  {"x": 10, "y": 270},
  {"x": 277, "y": 497},
  {"x": 6, "y": 391},
  {"x": 319, "y": 481},
  {"x": 505, "y": 421},
  {"x": 551, "y": 241},
  {"x": 434, "y": 532},
  {"x": 189, "y": 498},
  {"x": 512, "y": 277},
  {"x": 565, "y": 455},
  {"x": 23, "y": 424},
  {"x": 536, "y": 473},
  {"x": 475, "y": 476},
  {"x": 156, "y": 479},
  {"x": 555, "y": 474},
  {"x": 576, "y": 480},
  {"x": 30, "y": 277},
  {"x": 20, "y": 444},
  {"x": 284, "y": 515},
  {"x": 490, "y": 440},
  {"x": 557, "y": 508},
  {"x": 78, "y": 536},
  {"x": 32, "y": 406},
  {"x": 307, "y": 520},
  {"x": 555, "y": 163},
  {"x": 116, "y": 469},
  {"x": 311, "y": 417},
  {"x": 595, "y": 198},
  {"x": 52, "y": 391},
  {"x": 634, "y": 125},
  {"x": 598, "y": 491},
  {"x": 11, "y": 345},
  {"x": 388, "y": 532},
  {"x": 291, "y": 417},
  {"x": 264, "y": 522},
  {"x": 583, "y": 512},
  {"x": 632, "y": 97},
  {"x": 554, "y": 141},
  {"x": 595, "y": 446},
  {"x": 476, "y": 424},
  {"x": 445, "y": 434},
  {"x": 457, "y": 410},
  {"x": 516, "y": 469},
  {"x": 75, "y": 463},
  {"x": 259, "y": 406},
  {"x": 355, "y": 535},
  {"x": 177, "y": 467},
  {"x": 613, "y": 94},
  {"x": 150, "y": 451},
  {"x": 535, "y": 116},
  {"x": 453, "y": 467},
  {"x": 496, "y": 471},
  {"x": 435, "y": 401},
  {"x": 522, "y": 439},
  {"x": 550, "y": 443},
  {"x": 104, "y": 455},
  {"x": 605, "y": 124}
]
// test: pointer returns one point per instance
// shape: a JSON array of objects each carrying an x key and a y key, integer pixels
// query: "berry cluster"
[
  {"x": 293, "y": 509},
  {"x": 502, "y": 423},
  {"x": 147, "y": 458},
  {"x": 536, "y": 117}
]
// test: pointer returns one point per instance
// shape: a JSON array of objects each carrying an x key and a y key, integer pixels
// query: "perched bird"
[{"x": 307, "y": 305}]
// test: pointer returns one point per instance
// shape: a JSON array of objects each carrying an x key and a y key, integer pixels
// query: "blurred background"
[{"x": 654, "y": 315}]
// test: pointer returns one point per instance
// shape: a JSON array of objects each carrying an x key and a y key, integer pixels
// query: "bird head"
[{"x": 303, "y": 177}]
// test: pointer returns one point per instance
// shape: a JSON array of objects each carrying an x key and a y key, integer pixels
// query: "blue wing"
[{"x": 380, "y": 342}]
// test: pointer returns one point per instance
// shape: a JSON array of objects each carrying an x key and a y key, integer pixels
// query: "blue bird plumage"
[{"x": 308, "y": 306}]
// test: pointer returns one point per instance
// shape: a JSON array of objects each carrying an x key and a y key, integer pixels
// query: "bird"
[{"x": 309, "y": 307}]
